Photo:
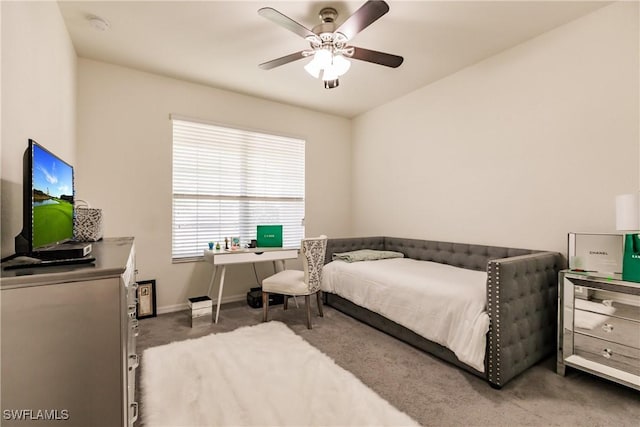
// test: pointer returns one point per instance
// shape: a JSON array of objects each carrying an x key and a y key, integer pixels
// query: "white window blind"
[{"x": 226, "y": 181}]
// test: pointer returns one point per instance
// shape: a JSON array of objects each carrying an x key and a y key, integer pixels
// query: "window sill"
[{"x": 185, "y": 260}]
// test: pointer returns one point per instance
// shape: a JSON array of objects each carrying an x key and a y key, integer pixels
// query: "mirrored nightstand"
[{"x": 599, "y": 326}]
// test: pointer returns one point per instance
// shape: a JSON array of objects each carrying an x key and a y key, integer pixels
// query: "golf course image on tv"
[{"x": 52, "y": 202}]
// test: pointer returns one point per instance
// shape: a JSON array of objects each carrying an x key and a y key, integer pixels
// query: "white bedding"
[{"x": 442, "y": 303}]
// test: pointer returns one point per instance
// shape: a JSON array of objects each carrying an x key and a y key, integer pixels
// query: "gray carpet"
[{"x": 431, "y": 391}]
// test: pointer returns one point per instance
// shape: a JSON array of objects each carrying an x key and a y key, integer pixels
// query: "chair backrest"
[{"x": 313, "y": 250}]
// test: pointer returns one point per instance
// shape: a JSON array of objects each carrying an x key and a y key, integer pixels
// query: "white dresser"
[
  {"x": 599, "y": 326},
  {"x": 68, "y": 341}
]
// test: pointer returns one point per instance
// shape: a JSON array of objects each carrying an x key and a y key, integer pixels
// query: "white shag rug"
[{"x": 263, "y": 375}]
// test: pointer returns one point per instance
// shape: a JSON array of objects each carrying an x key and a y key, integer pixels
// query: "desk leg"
[
  {"x": 224, "y": 269},
  {"x": 213, "y": 277}
]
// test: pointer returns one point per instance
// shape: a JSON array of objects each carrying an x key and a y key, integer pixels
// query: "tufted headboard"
[{"x": 471, "y": 257}]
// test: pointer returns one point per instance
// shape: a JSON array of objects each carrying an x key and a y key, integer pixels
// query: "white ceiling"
[{"x": 221, "y": 43}]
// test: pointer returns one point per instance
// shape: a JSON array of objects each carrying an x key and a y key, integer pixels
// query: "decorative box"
[{"x": 600, "y": 252}]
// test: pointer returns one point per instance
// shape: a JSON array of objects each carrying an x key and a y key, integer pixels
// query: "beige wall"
[
  {"x": 38, "y": 98},
  {"x": 517, "y": 150},
  {"x": 124, "y": 165}
]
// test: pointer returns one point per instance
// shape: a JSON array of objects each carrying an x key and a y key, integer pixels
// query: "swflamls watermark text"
[{"x": 35, "y": 414}]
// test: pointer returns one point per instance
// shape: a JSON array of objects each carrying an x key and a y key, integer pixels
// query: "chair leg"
[
  {"x": 307, "y": 301},
  {"x": 319, "y": 297},
  {"x": 265, "y": 306},
  {"x": 285, "y": 304}
]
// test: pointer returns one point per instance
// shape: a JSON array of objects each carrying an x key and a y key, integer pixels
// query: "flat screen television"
[{"x": 48, "y": 194}]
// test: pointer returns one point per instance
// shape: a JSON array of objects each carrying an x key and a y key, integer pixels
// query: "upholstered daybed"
[{"x": 521, "y": 300}]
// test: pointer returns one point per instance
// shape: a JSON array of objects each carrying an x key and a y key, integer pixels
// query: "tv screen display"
[{"x": 51, "y": 198}]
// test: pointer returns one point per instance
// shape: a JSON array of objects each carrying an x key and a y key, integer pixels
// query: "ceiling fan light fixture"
[
  {"x": 341, "y": 64},
  {"x": 313, "y": 68},
  {"x": 329, "y": 74},
  {"x": 321, "y": 60},
  {"x": 329, "y": 64}
]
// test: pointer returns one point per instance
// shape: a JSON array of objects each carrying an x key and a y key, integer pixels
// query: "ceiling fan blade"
[
  {"x": 376, "y": 57},
  {"x": 286, "y": 22},
  {"x": 368, "y": 13},
  {"x": 281, "y": 61}
]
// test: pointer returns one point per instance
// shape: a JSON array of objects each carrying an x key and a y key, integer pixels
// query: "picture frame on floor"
[{"x": 146, "y": 299}]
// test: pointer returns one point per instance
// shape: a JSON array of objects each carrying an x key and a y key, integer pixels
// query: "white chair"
[{"x": 296, "y": 282}]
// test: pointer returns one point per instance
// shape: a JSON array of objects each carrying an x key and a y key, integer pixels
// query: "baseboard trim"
[{"x": 180, "y": 307}]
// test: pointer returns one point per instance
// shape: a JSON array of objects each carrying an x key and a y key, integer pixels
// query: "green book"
[{"x": 269, "y": 236}]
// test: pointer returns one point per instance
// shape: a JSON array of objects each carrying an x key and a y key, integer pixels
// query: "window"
[{"x": 226, "y": 181}]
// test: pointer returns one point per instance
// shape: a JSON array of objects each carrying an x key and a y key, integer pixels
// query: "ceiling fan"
[{"x": 329, "y": 44}]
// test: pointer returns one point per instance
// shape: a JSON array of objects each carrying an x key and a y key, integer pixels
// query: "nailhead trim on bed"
[
  {"x": 494, "y": 376},
  {"x": 491, "y": 308}
]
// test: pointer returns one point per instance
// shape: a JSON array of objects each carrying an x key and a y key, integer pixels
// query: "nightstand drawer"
[
  {"x": 607, "y": 353},
  {"x": 610, "y": 328}
]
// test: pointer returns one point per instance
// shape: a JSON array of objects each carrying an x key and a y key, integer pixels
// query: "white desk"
[{"x": 244, "y": 256}]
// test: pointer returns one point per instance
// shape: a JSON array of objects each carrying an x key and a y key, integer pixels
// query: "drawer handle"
[
  {"x": 607, "y": 353},
  {"x": 133, "y": 324},
  {"x": 607, "y": 327},
  {"x": 132, "y": 311},
  {"x": 134, "y": 409},
  {"x": 134, "y": 361}
]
